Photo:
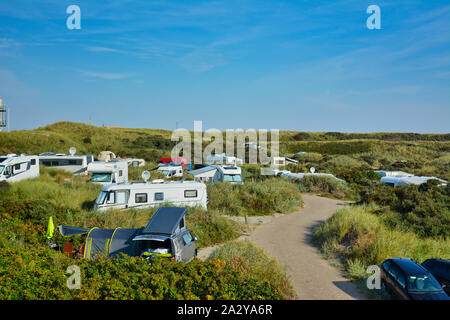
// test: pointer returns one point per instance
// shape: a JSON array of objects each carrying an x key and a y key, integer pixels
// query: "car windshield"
[
  {"x": 232, "y": 178},
  {"x": 1, "y": 169},
  {"x": 423, "y": 283},
  {"x": 101, "y": 177},
  {"x": 165, "y": 172},
  {"x": 101, "y": 197}
]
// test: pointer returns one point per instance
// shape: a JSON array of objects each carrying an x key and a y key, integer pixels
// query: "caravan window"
[
  {"x": 101, "y": 197},
  {"x": 101, "y": 177},
  {"x": 33, "y": 162},
  {"x": 111, "y": 199},
  {"x": 17, "y": 166},
  {"x": 190, "y": 193},
  {"x": 159, "y": 196},
  {"x": 75, "y": 162},
  {"x": 232, "y": 178},
  {"x": 140, "y": 198}
]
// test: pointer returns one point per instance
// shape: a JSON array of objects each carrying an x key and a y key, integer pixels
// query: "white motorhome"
[
  {"x": 171, "y": 171},
  {"x": 231, "y": 174},
  {"x": 76, "y": 164},
  {"x": 405, "y": 180},
  {"x": 106, "y": 172},
  {"x": 143, "y": 194},
  {"x": 393, "y": 173},
  {"x": 15, "y": 168}
]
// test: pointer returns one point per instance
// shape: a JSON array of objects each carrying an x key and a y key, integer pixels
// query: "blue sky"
[{"x": 290, "y": 65}]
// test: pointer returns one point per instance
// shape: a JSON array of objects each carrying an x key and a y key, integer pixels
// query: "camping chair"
[
  {"x": 69, "y": 249},
  {"x": 80, "y": 253}
]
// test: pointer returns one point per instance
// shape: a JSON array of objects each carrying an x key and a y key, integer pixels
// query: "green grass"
[
  {"x": 255, "y": 198},
  {"x": 243, "y": 256},
  {"x": 358, "y": 236}
]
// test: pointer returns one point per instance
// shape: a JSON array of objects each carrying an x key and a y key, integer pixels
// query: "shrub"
[
  {"x": 360, "y": 237},
  {"x": 243, "y": 256},
  {"x": 254, "y": 198},
  {"x": 324, "y": 185},
  {"x": 39, "y": 273},
  {"x": 425, "y": 208}
]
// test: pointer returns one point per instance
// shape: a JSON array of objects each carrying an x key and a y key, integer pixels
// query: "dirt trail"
[{"x": 287, "y": 239}]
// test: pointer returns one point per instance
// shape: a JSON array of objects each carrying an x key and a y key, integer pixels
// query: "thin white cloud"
[{"x": 106, "y": 75}]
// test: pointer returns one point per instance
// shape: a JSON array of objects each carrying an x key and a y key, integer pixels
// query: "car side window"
[
  {"x": 447, "y": 272},
  {"x": 187, "y": 238},
  {"x": 401, "y": 279},
  {"x": 430, "y": 266},
  {"x": 387, "y": 266}
]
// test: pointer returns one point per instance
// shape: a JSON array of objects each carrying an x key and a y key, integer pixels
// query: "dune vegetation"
[{"x": 408, "y": 221}]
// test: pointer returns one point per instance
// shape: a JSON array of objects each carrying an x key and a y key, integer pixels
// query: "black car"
[
  {"x": 408, "y": 280},
  {"x": 440, "y": 269}
]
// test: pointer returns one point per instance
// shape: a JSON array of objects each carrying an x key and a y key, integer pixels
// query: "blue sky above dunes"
[{"x": 290, "y": 65}]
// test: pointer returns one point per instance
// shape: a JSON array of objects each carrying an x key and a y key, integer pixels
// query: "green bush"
[
  {"x": 425, "y": 208},
  {"x": 359, "y": 237},
  {"x": 325, "y": 185},
  {"x": 254, "y": 198},
  {"x": 243, "y": 256}
]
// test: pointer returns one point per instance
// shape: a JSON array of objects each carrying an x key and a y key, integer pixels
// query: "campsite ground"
[{"x": 287, "y": 239}]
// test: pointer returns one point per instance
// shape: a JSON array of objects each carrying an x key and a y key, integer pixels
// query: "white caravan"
[
  {"x": 171, "y": 171},
  {"x": 231, "y": 174},
  {"x": 76, "y": 164},
  {"x": 402, "y": 181},
  {"x": 106, "y": 172},
  {"x": 141, "y": 194},
  {"x": 15, "y": 168}
]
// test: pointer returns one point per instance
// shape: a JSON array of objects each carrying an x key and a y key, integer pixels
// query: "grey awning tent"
[
  {"x": 97, "y": 242},
  {"x": 167, "y": 221},
  {"x": 122, "y": 242}
]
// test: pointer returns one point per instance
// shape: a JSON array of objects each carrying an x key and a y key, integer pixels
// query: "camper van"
[
  {"x": 106, "y": 172},
  {"x": 166, "y": 235},
  {"x": 231, "y": 174},
  {"x": 15, "y": 168},
  {"x": 171, "y": 171},
  {"x": 76, "y": 164},
  {"x": 143, "y": 194},
  {"x": 176, "y": 161},
  {"x": 405, "y": 180}
]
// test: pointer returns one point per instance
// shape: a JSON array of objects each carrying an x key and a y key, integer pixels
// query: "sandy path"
[{"x": 287, "y": 239}]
